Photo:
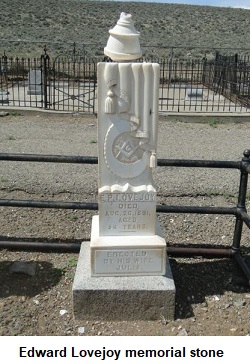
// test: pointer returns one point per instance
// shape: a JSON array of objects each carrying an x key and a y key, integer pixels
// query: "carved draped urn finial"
[{"x": 123, "y": 43}]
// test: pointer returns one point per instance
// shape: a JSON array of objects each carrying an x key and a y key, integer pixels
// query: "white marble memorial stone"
[{"x": 126, "y": 238}]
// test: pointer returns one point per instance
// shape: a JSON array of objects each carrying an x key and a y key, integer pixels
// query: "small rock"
[
  {"x": 3, "y": 113},
  {"x": 28, "y": 268},
  {"x": 204, "y": 304},
  {"x": 163, "y": 320},
  {"x": 239, "y": 303},
  {"x": 215, "y": 298},
  {"x": 36, "y": 302},
  {"x": 183, "y": 332},
  {"x": 63, "y": 312},
  {"x": 81, "y": 330}
]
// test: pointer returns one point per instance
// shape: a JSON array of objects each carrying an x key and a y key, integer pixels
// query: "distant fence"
[
  {"x": 221, "y": 84},
  {"x": 63, "y": 83},
  {"x": 230, "y": 77},
  {"x": 69, "y": 83}
]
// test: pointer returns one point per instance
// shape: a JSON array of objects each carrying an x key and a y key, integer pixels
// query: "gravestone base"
[
  {"x": 127, "y": 255},
  {"x": 37, "y": 91},
  {"x": 121, "y": 298}
]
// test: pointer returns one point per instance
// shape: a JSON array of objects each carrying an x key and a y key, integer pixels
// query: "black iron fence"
[
  {"x": 69, "y": 83},
  {"x": 230, "y": 77},
  {"x": 59, "y": 84},
  {"x": 234, "y": 250},
  {"x": 215, "y": 85}
]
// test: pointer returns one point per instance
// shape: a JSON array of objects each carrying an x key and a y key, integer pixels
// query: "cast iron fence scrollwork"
[
  {"x": 239, "y": 211},
  {"x": 68, "y": 82},
  {"x": 65, "y": 83}
]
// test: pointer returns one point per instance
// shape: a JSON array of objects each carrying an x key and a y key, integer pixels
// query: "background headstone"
[
  {"x": 35, "y": 86},
  {"x": 194, "y": 93}
]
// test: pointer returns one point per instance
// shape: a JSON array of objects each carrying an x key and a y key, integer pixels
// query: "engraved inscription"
[
  {"x": 127, "y": 197},
  {"x": 133, "y": 260},
  {"x": 127, "y": 213}
]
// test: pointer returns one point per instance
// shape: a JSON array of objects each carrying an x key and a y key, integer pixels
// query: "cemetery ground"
[{"x": 212, "y": 295}]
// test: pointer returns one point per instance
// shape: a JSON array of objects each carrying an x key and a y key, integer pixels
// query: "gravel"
[{"x": 212, "y": 298}]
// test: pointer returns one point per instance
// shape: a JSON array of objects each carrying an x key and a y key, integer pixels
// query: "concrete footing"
[{"x": 121, "y": 298}]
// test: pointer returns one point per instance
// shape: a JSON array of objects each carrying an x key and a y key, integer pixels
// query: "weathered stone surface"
[
  {"x": 3, "y": 113},
  {"x": 127, "y": 135},
  {"x": 127, "y": 255},
  {"x": 127, "y": 138},
  {"x": 121, "y": 298},
  {"x": 35, "y": 83},
  {"x": 28, "y": 268},
  {"x": 196, "y": 93}
]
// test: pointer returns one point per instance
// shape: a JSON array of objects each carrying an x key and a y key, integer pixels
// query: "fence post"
[
  {"x": 45, "y": 69},
  {"x": 4, "y": 68},
  {"x": 216, "y": 70},
  {"x": 170, "y": 65},
  {"x": 241, "y": 205},
  {"x": 235, "y": 72},
  {"x": 204, "y": 71}
]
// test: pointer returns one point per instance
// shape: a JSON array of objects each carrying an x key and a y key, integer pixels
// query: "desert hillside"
[{"x": 40, "y": 22}]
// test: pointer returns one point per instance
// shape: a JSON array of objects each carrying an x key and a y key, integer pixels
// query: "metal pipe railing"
[
  {"x": 197, "y": 210},
  {"x": 241, "y": 205},
  {"x": 239, "y": 211},
  {"x": 94, "y": 206},
  {"x": 19, "y": 157},
  {"x": 49, "y": 204},
  {"x": 74, "y": 247}
]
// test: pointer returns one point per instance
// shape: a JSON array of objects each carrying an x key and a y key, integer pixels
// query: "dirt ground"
[{"x": 212, "y": 295}]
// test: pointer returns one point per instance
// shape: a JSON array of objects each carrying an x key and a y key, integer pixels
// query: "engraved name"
[{"x": 127, "y": 197}]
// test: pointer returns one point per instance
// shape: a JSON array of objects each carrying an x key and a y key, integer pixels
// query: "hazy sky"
[{"x": 232, "y": 3}]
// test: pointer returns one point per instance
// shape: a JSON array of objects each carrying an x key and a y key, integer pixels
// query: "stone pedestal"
[{"x": 121, "y": 298}]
